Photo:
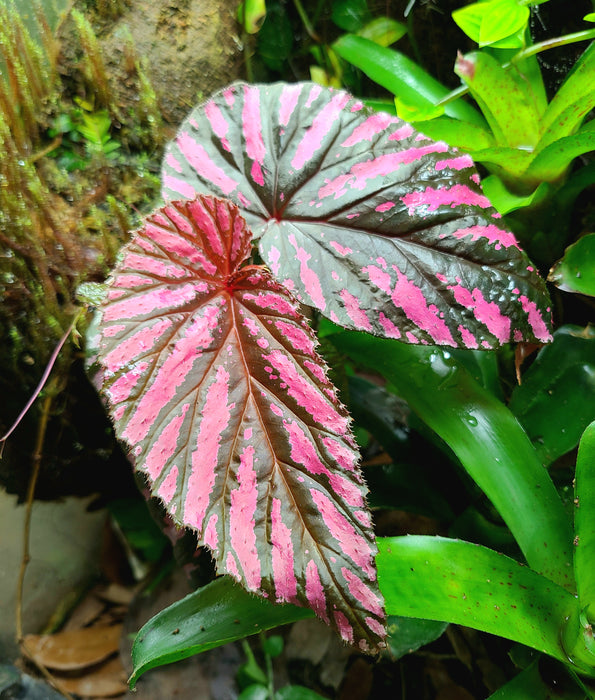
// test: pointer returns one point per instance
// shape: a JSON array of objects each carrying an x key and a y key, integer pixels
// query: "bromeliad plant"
[
  {"x": 528, "y": 144},
  {"x": 214, "y": 382}
]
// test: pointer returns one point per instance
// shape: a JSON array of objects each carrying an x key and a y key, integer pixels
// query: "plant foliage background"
[{"x": 316, "y": 250}]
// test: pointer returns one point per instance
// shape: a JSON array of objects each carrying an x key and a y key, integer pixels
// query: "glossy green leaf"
[
  {"x": 408, "y": 634},
  {"x": 220, "y": 612},
  {"x": 584, "y": 522},
  {"x": 485, "y": 436},
  {"x": 401, "y": 76},
  {"x": 576, "y": 271},
  {"x": 273, "y": 645},
  {"x": 572, "y": 102},
  {"x": 350, "y": 15},
  {"x": 510, "y": 111},
  {"x": 275, "y": 38},
  {"x": 442, "y": 579},
  {"x": 556, "y": 400},
  {"x": 383, "y": 30},
  {"x": 505, "y": 201},
  {"x": 254, "y": 692}
]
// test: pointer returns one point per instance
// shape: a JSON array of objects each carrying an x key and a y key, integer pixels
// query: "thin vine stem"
[
  {"x": 39, "y": 387},
  {"x": 306, "y": 21}
]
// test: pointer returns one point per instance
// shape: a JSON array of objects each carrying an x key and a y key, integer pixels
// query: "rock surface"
[
  {"x": 188, "y": 49},
  {"x": 64, "y": 549}
]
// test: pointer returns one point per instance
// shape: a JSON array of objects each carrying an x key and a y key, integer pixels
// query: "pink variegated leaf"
[
  {"x": 213, "y": 381},
  {"x": 377, "y": 226}
]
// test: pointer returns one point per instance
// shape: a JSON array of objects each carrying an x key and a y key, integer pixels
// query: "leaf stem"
[
  {"x": 269, "y": 667},
  {"x": 535, "y": 49},
  {"x": 42, "y": 381},
  {"x": 306, "y": 21}
]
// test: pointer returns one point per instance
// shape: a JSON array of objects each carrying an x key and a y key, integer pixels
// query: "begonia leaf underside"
[
  {"x": 374, "y": 224},
  {"x": 214, "y": 383}
]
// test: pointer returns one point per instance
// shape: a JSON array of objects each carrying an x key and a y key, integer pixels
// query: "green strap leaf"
[
  {"x": 485, "y": 436},
  {"x": 401, "y": 76},
  {"x": 584, "y": 522},
  {"x": 443, "y": 579}
]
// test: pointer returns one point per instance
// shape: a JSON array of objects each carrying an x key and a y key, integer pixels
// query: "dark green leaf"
[
  {"x": 408, "y": 634},
  {"x": 383, "y": 31},
  {"x": 275, "y": 38},
  {"x": 529, "y": 684},
  {"x": 556, "y": 400},
  {"x": 584, "y": 522},
  {"x": 138, "y": 527},
  {"x": 350, "y": 15},
  {"x": 576, "y": 271},
  {"x": 220, "y": 612},
  {"x": 273, "y": 645}
]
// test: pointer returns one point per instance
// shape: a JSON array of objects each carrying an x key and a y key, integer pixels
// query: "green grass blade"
[{"x": 487, "y": 439}]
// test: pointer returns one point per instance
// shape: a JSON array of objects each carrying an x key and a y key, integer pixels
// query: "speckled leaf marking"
[
  {"x": 377, "y": 226},
  {"x": 213, "y": 380}
]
